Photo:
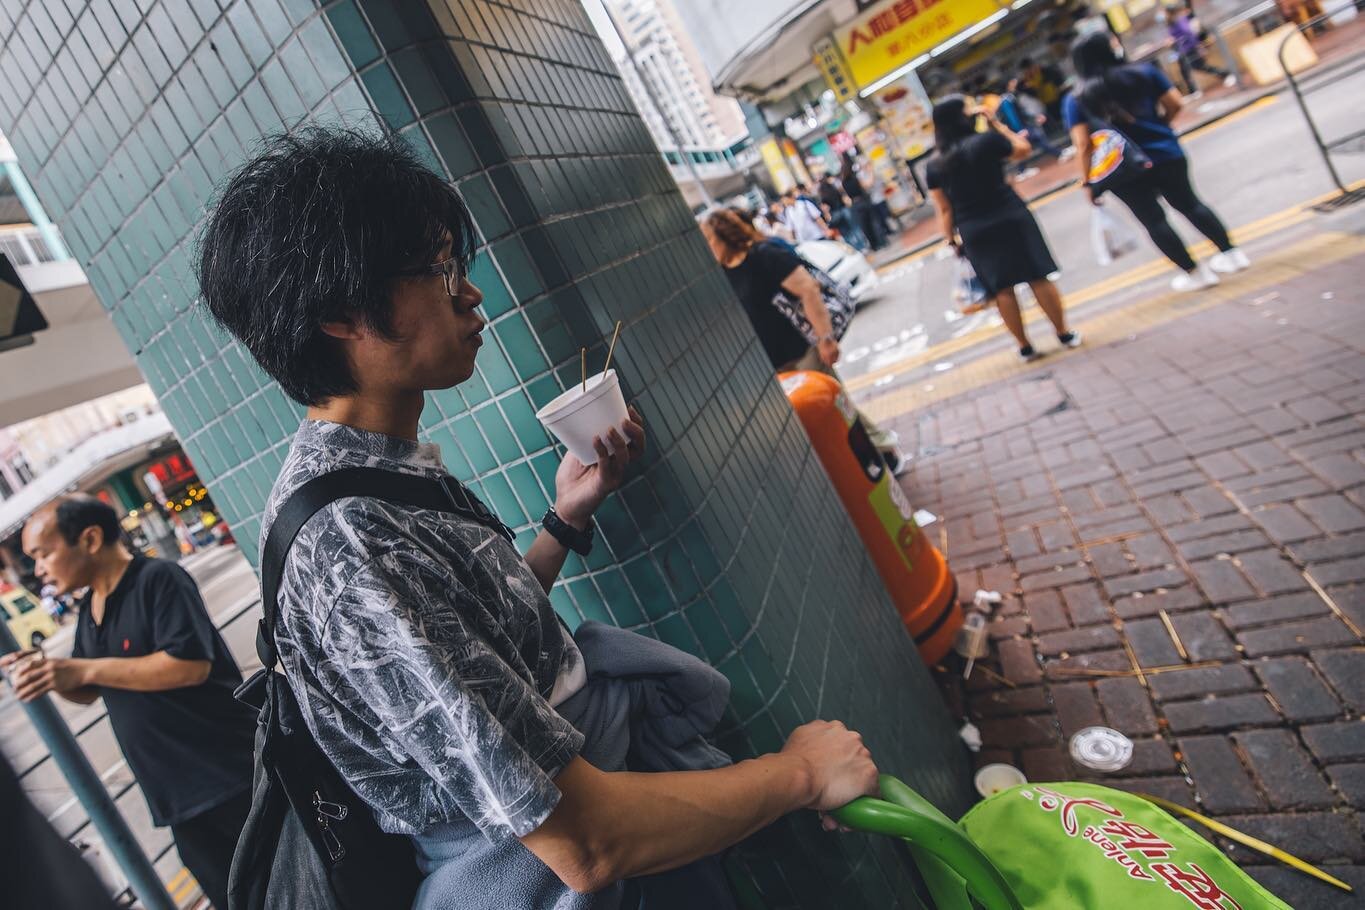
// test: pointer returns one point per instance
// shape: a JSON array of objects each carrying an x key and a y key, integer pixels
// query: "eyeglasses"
[{"x": 449, "y": 269}]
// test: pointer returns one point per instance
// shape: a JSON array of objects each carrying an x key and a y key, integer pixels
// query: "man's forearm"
[
  {"x": 610, "y": 826},
  {"x": 152, "y": 673},
  {"x": 817, "y": 313},
  {"x": 546, "y": 556}
]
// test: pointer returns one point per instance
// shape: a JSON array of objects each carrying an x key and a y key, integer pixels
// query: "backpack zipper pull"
[{"x": 337, "y": 811}]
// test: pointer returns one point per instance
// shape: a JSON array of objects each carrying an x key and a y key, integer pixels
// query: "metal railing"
[{"x": 1312, "y": 82}]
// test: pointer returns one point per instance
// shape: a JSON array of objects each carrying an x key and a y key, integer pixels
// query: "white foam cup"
[
  {"x": 994, "y": 778},
  {"x": 577, "y": 416}
]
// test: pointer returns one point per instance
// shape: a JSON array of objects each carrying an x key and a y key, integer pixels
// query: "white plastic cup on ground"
[
  {"x": 577, "y": 416},
  {"x": 998, "y": 777}
]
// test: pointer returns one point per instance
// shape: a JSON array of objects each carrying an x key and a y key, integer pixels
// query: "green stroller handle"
[{"x": 952, "y": 865}]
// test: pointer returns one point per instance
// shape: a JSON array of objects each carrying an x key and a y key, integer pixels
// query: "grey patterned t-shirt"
[{"x": 412, "y": 640}]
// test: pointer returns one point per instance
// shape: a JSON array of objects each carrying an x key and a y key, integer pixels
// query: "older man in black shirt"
[{"x": 145, "y": 644}]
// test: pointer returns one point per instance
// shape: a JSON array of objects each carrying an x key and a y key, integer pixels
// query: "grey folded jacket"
[{"x": 646, "y": 707}]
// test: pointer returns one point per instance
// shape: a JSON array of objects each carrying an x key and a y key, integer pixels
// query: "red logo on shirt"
[{"x": 127, "y": 644}]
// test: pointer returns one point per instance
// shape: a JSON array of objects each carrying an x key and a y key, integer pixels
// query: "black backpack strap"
[{"x": 418, "y": 492}]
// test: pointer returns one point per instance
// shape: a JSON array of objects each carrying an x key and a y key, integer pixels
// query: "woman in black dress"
[{"x": 999, "y": 235}]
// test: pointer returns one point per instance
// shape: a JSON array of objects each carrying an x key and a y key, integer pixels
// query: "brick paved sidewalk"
[{"x": 1213, "y": 468}]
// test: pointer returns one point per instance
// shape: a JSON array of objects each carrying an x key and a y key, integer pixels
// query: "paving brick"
[
  {"x": 1054, "y": 579},
  {"x": 1314, "y": 836},
  {"x": 1004, "y": 702},
  {"x": 1306, "y": 893},
  {"x": 1203, "y": 636},
  {"x": 1221, "y": 581},
  {"x": 1045, "y": 611},
  {"x": 1076, "y": 706},
  {"x": 1271, "y": 572},
  {"x": 1302, "y": 697},
  {"x": 1007, "y": 627},
  {"x": 1151, "y": 643},
  {"x": 1284, "y": 492},
  {"x": 1111, "y": 527},
  {"x": 1220, "y": 544},
  {"x": 1325, "y": 549},
  {"x": 1285, "y": 524},
  {"x": 1168, "y": 509},
  {"x": 1221, "y": 782},
  {"x": 1056, "y": 535},
  {"x": 1049, "y": 763},
  {"x": 1077, "y": 641},
  {"x": 1338, "y": 469},
  {"x": 1343, "y": 571},
  {"x": 1295, "y": 636},
  {"x": 1149, "y": 604},
  {"x": 1275, "y": 609},
  {"x": 1222, "y": 465},
  {"x": 1284, "y": 770},
  {"x": 1085, "y": 604},
  {"x": 1208, "y": 501},
  {"x": 1151, "y": 757},
  {"x": 1149, "y": 551},
  {"x": 1019, "y": 731},
  {"x": 1144, "y": 581},
  {"x": 1336, "y": 742},
  {"x": 1093, "y": 660},
  {"x": 1208, "y": 527},
  {"x": 1345, "y": 670},
  {"x": 1127, "y": 706},
  {"x": 1202, "y": 681},
  {"x": 1022, "y": 543},
  {"x": 1172, "y": 789},
  {"x": 1350, "y": 782},
  {"x": 1046, "y": 562},
  {"x": 1334, "y": 513},
  {"x": 1262, "y": 455},
  {"x": 1018, "y": 662},
  {"x": 1109, "y": 559},
  {"x": 1219, "y": 712}
]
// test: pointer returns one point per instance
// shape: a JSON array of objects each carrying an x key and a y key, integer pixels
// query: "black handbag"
[{"x": 310, "y": 843}]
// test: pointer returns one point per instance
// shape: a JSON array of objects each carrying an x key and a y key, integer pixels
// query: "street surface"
[
  {"x": 1251, "y": 166},
  {"x": 228, "y": 585}
]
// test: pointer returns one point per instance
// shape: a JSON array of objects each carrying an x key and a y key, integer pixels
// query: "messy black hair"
[
  {"x": 79, "y": 511},
  {"x": 315, "y": 229}
]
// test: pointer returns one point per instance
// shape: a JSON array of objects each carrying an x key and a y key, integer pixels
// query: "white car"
[{"x": 844, "y": 264}]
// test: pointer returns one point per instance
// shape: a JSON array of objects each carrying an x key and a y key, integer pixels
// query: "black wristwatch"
[{"x": 572, "y": 538}]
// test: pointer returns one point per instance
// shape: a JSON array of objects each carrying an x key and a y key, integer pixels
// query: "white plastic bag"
[
  {"x": 1110, "y": 236},
  {"x": 967, "y": 288}
]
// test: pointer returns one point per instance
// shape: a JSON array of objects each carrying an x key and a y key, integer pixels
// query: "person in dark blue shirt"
[{"x": 1140, "y": 102}]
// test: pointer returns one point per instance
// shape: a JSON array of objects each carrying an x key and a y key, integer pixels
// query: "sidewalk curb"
[{"x": 1267, "y": 92}]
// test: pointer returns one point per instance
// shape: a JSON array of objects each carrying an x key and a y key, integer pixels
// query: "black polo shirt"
[{"x": 189, "y": 748}]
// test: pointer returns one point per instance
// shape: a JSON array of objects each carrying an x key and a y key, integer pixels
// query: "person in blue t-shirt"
[{"x": 1140, "y": 102}]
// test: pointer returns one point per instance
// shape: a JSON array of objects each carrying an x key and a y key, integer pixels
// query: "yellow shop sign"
[{"x": 895, "y": 32}]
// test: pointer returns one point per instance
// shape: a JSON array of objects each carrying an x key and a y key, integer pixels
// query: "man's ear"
[
  {"x": 343, "y": 329},
  {"x": 91, "y": 540}
]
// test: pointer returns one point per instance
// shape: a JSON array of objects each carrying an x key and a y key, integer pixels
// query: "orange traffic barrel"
[{"x": 915, "y": 574}]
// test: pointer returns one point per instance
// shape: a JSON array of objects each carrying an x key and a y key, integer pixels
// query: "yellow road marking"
[
  {"x": 1295, "y": 214},
  {"x": 1294, "y": 261},
  {"x": 181, "y": 885}
]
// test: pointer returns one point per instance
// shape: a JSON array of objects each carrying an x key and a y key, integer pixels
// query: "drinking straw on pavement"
[
  {"x": 583, "y": 362},
  {"x": 1248, "y": 841},
  {"x": 612, "y": 347}
]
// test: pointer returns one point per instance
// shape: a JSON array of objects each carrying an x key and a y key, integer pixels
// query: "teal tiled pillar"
[{"x": 729, "y": 542}]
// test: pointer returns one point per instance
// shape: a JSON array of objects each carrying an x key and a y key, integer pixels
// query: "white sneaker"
[
  {"x": 1230, "y": 80},
  {"x": 1067, "y": 153},
  {"x": 1201, "y": 278},
  {"x": 1234, "y": 260}
]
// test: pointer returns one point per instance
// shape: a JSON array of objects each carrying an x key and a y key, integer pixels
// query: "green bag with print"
[{"x": 1076, "y": 846}]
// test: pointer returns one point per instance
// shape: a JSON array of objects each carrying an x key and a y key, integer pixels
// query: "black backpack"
[{"x": 309, "y": 842}]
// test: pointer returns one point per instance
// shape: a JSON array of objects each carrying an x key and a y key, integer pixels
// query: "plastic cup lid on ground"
[{"x": 1101, "y": 749}]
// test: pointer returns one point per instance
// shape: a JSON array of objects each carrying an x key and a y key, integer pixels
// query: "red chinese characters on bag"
[
  {"x": 1196, "y": 886},
  {"x": 1132, "y": 836}
]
